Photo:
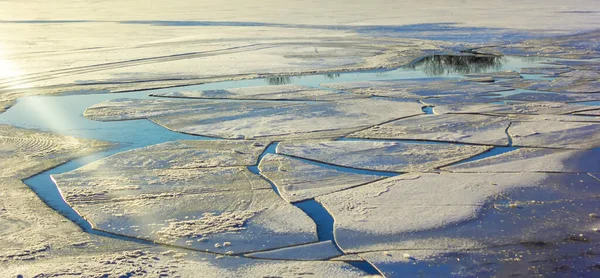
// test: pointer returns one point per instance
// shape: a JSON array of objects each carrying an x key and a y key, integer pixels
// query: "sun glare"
[{"x": 9, "y": 71}]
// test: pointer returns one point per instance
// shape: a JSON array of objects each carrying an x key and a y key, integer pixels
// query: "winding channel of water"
[{"x": 64, "y": 115}]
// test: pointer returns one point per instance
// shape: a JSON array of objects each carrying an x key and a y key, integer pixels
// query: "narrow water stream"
[{"x": 270, "y": 149}]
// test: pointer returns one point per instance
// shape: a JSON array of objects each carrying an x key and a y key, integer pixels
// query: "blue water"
[
  {"x": 64, "y": 115},
  {"x": 428, "y": 110},
  {"x": 492, "y": 152},
  {"x": 270, "y": 149},
  {"x": 592, "y": 103},
  {"x": 537, "y": 76},
  {"x": 321, "y": 216}
]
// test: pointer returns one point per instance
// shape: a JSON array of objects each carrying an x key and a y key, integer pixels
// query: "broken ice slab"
[
  {"x": 310, "y": 252},
  {"x": 553, "y": 134},
  {"x": 460, "y": 128},
  {"x": 172, "y": 167},
  {"x": 458, "y": 211},
  {"x": 529, "y": 108},
  {"x": 381, "y": 156},
  {"x": 552, "y": 97},
  {"x": 88, "y": 183},
  {"x": 579, "y": 65},
  {"x": 219, "y": 209},
  {"x": 299, "y": 180},
  {"x": 417, "y": 88},
  {"x": 583, "y": 74},
  {"x": 571, "y": 82},
  {"x": 257, "y": 119},
  {"x": 535, "y": 160},
  {"x": 555, "y": 118},
  {"x": 548, "y": 71},
  {"x": 237, "y": 221},
  {"x": 185, "y": 154},
  {"x": 411, "y": 203},
  {"x": 275, "y": 92}
]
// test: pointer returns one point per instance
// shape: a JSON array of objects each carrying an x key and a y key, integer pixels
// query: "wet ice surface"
[{"x": 159, "y": 186}]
